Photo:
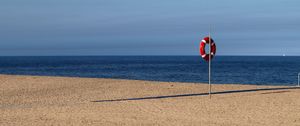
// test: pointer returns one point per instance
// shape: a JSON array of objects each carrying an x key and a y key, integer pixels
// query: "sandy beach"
[{"x": 34, "y": 100}]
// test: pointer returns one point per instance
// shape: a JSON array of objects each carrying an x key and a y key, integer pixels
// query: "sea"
[{"x": 256, "y": 70}]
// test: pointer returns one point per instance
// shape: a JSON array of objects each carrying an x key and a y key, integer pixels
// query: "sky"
[{"x": 148, "y": 27}]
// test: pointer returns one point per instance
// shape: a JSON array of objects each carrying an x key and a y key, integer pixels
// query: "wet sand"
[{"x": 33, "y": 100}]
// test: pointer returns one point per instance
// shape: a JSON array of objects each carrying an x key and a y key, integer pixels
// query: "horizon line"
[{"x": 131, "y": 55}]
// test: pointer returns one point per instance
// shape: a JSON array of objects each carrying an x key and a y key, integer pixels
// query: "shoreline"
[
  {"x": 79, "y": 77},
  {"x": 48, "y": 100}
]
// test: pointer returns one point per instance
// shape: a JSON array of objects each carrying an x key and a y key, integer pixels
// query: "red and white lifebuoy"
[{"x": 212, "y": 46}]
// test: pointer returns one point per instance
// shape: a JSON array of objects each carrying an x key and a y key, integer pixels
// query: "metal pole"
[
  {"x": 209, "y": 64},
  {"x": 298, "y": 79}
]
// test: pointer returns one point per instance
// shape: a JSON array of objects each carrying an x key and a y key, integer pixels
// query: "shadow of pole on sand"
[{"x": 197, "y": 94}]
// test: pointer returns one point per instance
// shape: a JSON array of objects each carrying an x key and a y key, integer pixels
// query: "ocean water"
[{"x": 258, "y": 70}]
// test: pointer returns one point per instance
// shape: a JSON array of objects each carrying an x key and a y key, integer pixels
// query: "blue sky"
[{"x": 144, "y": 27}]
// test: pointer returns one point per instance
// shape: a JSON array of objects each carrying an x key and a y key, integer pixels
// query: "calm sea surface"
[{"x": 225, "y": 69}]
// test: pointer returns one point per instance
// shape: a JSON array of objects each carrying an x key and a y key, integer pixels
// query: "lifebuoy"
[{"x": 212, "y": 46}]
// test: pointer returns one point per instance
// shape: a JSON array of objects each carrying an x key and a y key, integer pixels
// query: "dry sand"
[{"x": 32, "y": 100}]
